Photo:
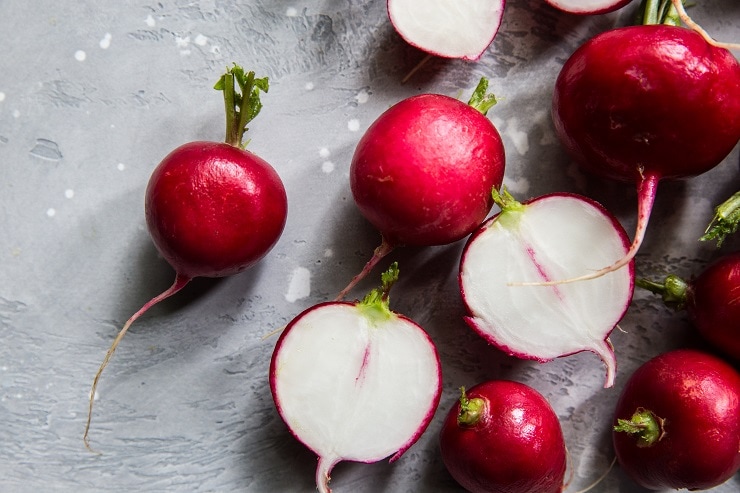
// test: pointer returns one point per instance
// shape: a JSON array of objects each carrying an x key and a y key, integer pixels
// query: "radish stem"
[
  {"x": 241, "y": 106},
  {"x": 644, "y": 425},
  {"x": 471, "y": 410},
  {"x": 725, "y": 221}
]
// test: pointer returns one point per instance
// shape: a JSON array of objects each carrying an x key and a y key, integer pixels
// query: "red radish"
[
  {"x": 725, "y": 222},
  {"x": 677, "y": 422},
  {"x": 447, "y": 28},
  {"x": 422, "y": 174},
  {"x": 355, "y": 381},
  {"x": 503, "y": 436},
  {"x": 587, "y": 7},
  {"x": 711, "y": 300},
  {"x": 212, "y": 209},
  {"x": 648, "y": 102},
  {"x": 549, "y": 237}
]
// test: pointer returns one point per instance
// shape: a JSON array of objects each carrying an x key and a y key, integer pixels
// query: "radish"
[
  {"x": 422, "y": 173},
  {"x": 648, "y": 102},
  {"x": 677, "y": 422},
  {"x": 503, "y": 436},
  {"x": 447, "y": 28},
  {"x": 212, "y": 209},
  {"x": 725, "y": 222},
  {"x": 711, "y": 300},
  {"x": 355, "y": 381},
  {"x": 549, "y": 237},
  {"x": 587, "y": 7}
]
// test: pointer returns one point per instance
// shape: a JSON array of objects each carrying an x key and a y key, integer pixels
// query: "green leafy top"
[
  {"x": 658, "y": 12},
  {"x": 725, "y": 221},
  {"x": 242, "y": 101},
  {"x": 481, "y": 99},
  {"x": 376, "y": 304}
]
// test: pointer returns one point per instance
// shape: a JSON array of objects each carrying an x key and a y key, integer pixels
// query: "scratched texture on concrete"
[{"x": 94, "y": 93}]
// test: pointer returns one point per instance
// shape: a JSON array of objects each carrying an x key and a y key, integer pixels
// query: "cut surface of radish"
[
  {"x": 355, "y": 381},
  {"x": 447, "y": 28},
  {"x": 587, "y": 7},
  {"x": 550, "y": 237}
]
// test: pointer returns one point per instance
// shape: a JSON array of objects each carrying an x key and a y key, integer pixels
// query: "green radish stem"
[
  {"x": 672, "y": 290},
  {"x": 725, "y": 222},
  {"x": 644, "y": 426},
  {"x": 471, "y": 410},
  {"x": 241, "y": 106}
]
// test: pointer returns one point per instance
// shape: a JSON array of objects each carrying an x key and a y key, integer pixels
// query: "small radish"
[
  {"x": 447, "y": 28},
  {"x": 212, "y": 209},
  {"x": 648, "y": 102},
  {"x": 587, "y": 7},
  {"x": 422, "y": 173},
  {"x": 355, "y": 381},
  {"x": 549, "y": 237},
  {"x": 725, "y": 222},
  {"x": 677, "y": 422},
  {"x": 503, "y": 436},
  {"x": 711, "y": 300}
]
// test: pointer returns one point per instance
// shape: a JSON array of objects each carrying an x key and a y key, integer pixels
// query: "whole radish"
[
  {"x": 447, "y": 28},
  {"x": 711, "y": 300},
  {"x": 355, "y": 381},
  {"x": 422, "y": 173},
  {"x": 503, "y": 436},
  {"x": 549, "y": 237},
  {"x": 587, "y": 7},
  {"x": 677, "y": 422},
  {"x": 648, "y": 102},
  {"x": 212, "y": 209}
]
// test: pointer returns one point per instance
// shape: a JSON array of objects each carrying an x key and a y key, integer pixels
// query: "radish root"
[
  {"x": 686, "y": 19},
  {"x": 381, "y": 251}
]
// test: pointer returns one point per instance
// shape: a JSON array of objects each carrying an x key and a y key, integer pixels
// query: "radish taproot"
[
  {"x": 647, "y": 102},
  {"x": 447, "y": 28},
  {"x": 587, "y": 7},
  {"x": 725, "y": 221},
  {"x": 677, "y": 422},
  {"x": 711, "y": 300},
  {"x": 503, "y": 436},
  {"x": 549, "y": 237},
  {"x": 355, "y": 381},
  {"x": 213, "y": 209},
  {"x": 422, "y": 173}
]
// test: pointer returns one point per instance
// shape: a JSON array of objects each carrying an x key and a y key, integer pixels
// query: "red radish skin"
[
  {"x": 422, "y": 173},
  {"x": 645, "y": 103},
  {"x": 355, "y": 381},
  {"x": 711, "y": 300},
  {"x": 677, "y": 422},
  {"x": 503, "y": 436},
  {"x": 587, "y": 7},
  {"x": 212, "y": 209}
]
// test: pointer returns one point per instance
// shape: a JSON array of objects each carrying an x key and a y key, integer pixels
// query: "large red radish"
[
  {"x": 447, "y": 28},
  {"x": 355, "y": 381},
  {"x": 550, "y": 237},
  {"x": 503, "y": 436},
  {"x": 212, "y": 209},
  {"x": 587, "y": 7},
  {"x": 677, "y": 422},
  {"x": 422, "y": 173},
  {"x": 645, "y": 103},
  {"x": 711, "y": 300}
]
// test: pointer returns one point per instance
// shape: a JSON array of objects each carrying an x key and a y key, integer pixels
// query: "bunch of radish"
[
  {"x": 355, "y": 381},
  {"x": 422, "y": 173},
  {"x": 213, "y": 209}
]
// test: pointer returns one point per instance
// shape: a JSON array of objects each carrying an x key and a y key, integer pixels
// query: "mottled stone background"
[{"x": 94, "y": 93}]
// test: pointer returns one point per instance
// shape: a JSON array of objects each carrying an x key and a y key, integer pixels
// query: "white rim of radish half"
[
  {"x": 351, "y": 387},
  {"x": 555, "y": 236},
  {"x": 447, "y": 28},
  {"x": 587, "y": 7}
]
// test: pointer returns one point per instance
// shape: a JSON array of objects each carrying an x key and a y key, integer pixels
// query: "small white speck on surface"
[
  {"x": 69, "y": 193},
  {"x": 328, "y": 253},
  {"x": 324, "y": 152},
  {"x": 182, "y": 42},
  {"x": 519, "y": 138},
  {"x": 299, "y": 286},
  {"x": 51, "y": 212},
  {"x": 362, "y": 97},
  {"x": 80, "y": 55},
  {"x": 150, "y": 21},
  {"x": 200, "y": 40},
  {"x": 16, "y": 114},
  {"x": 353, "y": 125},
  {"x": 327, "y": 166},
  {"x": 120, "y": 166},
  {"x": 2, "y": 96},
  {"x": 291, "y": 12},
  {"x": 309, "y": 86},
  {"x": 105, "y": 42}
]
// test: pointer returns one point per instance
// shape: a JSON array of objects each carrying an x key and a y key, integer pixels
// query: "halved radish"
[
  {"x": 587, "y": 7},
  {"x": 550, "y": 237},
  {"x": 355, "y": 381},
  {"x": 447, "y": 28}
]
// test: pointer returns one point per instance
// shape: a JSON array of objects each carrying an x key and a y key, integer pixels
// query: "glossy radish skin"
[
  {"x": 587, "y": 7},
  {"x": 422, "y": 173},
  {"x": 677, "y": 422},
  {"x": 503, "y": 437},
  {"x": 447, "y": 28},
  {"x": 355, "y": 381},
  {"x": 711, "y": 300},
  {"x": 549, "y": 237},
  {"x": 212, "y": 209}
]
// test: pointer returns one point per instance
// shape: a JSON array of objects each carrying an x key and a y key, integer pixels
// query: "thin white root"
[
  {"x": 678, "y": 4},
  {"x": 416, "y": 69}
]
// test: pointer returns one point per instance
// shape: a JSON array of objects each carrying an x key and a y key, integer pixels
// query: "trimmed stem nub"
[
  {"x": 673, "y": 290},
  {"x": 725, "y": 222},
  {"x": 481, "y": 99},
  {"x": 647, "y": 428},
  {"x": 241, "y": 101},
  {"x": 471, "y": 410},
  {"x": 376, "y": 303}
]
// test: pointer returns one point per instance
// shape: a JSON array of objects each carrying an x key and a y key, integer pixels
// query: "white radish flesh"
[
  {"x": 447, "y": 28},
  {"x": 551, "y": 237}
]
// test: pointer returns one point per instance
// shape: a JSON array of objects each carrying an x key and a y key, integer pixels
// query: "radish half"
[
  {"x": 587, "y": 7},
  {"x": 551, "y": 237},
  {"x": 447, "y": 28},
  {"x": 355, "y": 381}
]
